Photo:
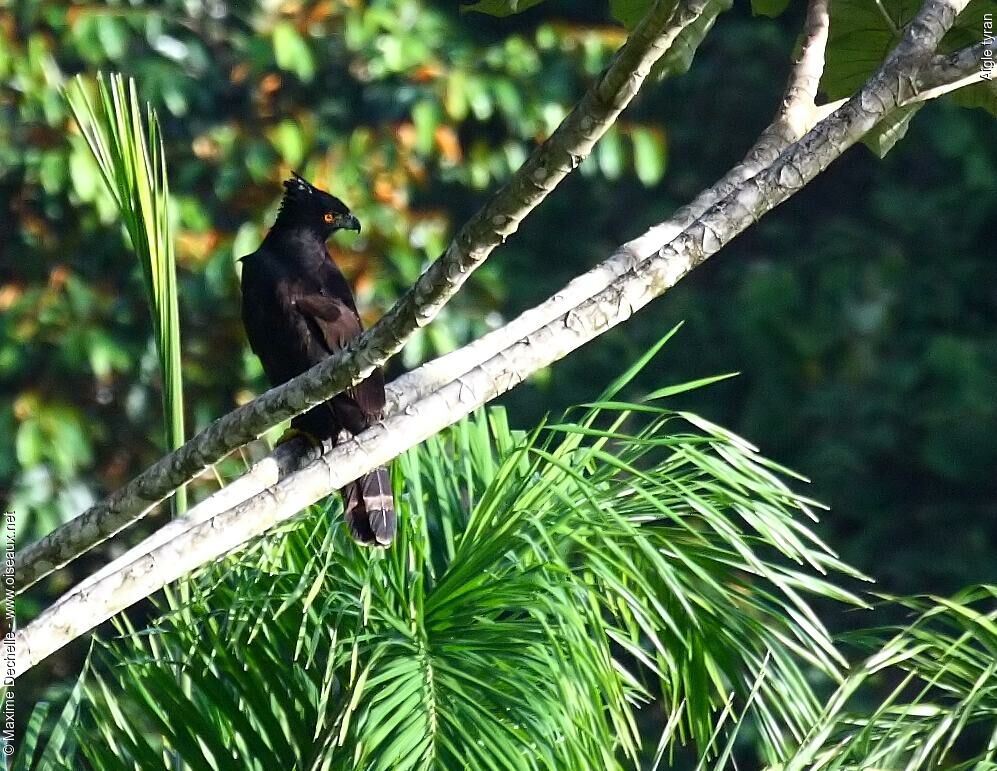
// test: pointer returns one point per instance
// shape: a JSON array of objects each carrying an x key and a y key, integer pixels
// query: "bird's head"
[{"x": 305, "y": 205}]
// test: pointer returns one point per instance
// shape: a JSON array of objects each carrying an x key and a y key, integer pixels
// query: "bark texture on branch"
[
  {"x": 80, "y": 610},
  {"x": 797, "y": 111},
  {"x": 799, "y": 100},
  {"x": 800, "y": 97},
  {"x": 550, "y": 163},
  {"x": 285, "y": 459}
]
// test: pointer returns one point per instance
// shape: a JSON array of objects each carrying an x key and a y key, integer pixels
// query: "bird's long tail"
[{"x": 370, "y": 508}]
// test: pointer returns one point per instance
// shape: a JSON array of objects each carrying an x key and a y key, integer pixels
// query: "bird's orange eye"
[{"x": 328, "y": 217}]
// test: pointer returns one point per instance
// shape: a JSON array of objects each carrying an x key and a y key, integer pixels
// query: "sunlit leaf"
[
  {"x": 291, "y": 51},
  {"x": 500, "y": 7},
  {"x": 127, "y": 143},
  {"x": 771, "y": 8}
]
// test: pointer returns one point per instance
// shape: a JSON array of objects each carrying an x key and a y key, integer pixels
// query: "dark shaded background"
[{"x": 862, "y": 314}]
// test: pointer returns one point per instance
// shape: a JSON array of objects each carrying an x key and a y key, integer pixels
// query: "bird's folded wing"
[{"x": 334, "y": 323}]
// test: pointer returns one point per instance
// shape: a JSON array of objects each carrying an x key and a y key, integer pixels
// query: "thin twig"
[{"x": 797, "y": 109}]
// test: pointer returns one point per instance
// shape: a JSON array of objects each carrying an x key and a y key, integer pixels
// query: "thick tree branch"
[
  {"x": 944, "y": 74},
  {"x": 500, "y": 217},
  {"x": 283, "y": 461},
  {"x": 947, "y": 69},
  {"x": 80, "y": 610},
  {"x": 786, "y": 127},
  {"x": 800, "y": 95},
  {"x": 938, "y": 76}
]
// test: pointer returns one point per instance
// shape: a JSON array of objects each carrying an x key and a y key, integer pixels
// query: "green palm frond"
[
  {"x": 49, "y": 740},
  {"x": 544, "y": 589},
  {"x": 127, "y": 144},
  {"x": 939, "y": 677}
]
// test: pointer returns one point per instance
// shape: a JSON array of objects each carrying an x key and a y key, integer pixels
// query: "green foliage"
[
  {"x": 861, "y": 315},
  {"x": 863, "y": 32},
  {"x": 543, "y": 588},
  {"x": 769, "y": 7},
  {"x": 858, "y": 25},
  {"x": 291, "y": 52},
  {"x": 941, "y": 707},
  {"x": 679, "y": 58},
  {"x": 546, "y": 591},
  {"x": 407, "y": 110},
  {"x": 892, "y": 130},
  {"x": 49, "y": 741},
  {"x": 970, "y": 30},
  {"x": 629, "y": 12},
  {"x": 134, "y": 171},
  {"x": 861, "y": 26},
  {"x": 501, "y": 7}
]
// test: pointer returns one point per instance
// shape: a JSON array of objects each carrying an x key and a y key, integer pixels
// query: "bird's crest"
[
  {"x": 298, "y": 186},
  {"x": 302, "y": 195}
]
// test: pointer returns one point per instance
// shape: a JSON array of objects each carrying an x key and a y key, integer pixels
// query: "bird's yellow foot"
[{"x": 296, "y": 433}]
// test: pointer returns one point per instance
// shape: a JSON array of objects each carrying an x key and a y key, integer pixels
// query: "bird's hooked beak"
[{"x": 349, "y": 222}]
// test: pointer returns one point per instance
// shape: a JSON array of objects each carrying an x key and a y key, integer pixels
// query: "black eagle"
[{"x": 298, "y": 309}]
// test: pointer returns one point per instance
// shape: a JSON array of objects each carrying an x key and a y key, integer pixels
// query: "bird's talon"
[{"x": 297, "y": 433}]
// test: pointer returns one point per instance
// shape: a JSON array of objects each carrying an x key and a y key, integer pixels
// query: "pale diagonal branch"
[
  {"x": 944, "y": 74},
  {"x": 550, "y": 163},
  {"x": 285, "y": 459},
  {"x": 414, "y": 385},
  {"x": 786, "y": 127},
  {"x": 940, "y": 75},
  {"x": 411, "y": 387},
  {"x": 80, "y": 610}
]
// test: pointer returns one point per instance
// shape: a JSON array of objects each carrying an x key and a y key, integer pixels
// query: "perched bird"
[{"x": 297, "y": 310}]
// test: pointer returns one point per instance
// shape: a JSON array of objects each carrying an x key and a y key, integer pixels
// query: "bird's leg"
[
  {"x": 297, "y": 456},
  {"x": 296, "y": 433}
]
